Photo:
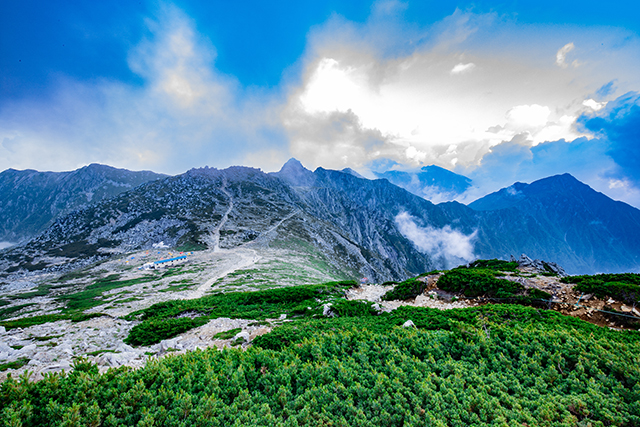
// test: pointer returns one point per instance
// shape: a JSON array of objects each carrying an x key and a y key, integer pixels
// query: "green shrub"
[
  {"x": 626, "y": 292},
  {"x": 155, "y": 330},
  {"x": 353, "y": 308},
  {"x": 477, "y": 281},
  {"x": 258, "y": 305},
  {"x": 225, "y": 335},
  {"x": 489, "y": 365},
  {"x": 495, "y": 264},
  {"x": 410, "y": 288}
]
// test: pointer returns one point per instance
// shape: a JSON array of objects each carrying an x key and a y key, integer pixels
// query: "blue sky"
[{"x": 498, "y": 91}]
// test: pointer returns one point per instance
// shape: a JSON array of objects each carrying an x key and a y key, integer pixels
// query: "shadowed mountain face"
[
  {"x": 431, "y": 182},
  {"x": 361, "y": 227},
  {"x": 31, "y": 200},
  {"x": 561, "y": 219}
]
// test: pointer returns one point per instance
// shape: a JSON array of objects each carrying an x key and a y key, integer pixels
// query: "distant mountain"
[
  {"x": 31, "y": 199},
  {"x": 347, "y": 221},
  {"x": 430, "y": 182},
  {"x": 357, "y": 226},
  {"x": 559, "y": 218}
]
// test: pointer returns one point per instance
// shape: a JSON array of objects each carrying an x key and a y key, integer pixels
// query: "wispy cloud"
[
  {"x": 561, "y": 55},
  {"x": 463, "y": 68},
  {"x": 184, "y": 114},
  {"x": 446, "y": 246}
]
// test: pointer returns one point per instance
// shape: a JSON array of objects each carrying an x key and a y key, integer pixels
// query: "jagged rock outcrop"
[{"x": 538, "y": 265}]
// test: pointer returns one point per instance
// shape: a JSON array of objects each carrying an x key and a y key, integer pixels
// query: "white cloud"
[
  {"x": 463, "y": 68},
  {"x": 561, "y": 55},
  {"x": 525, "y": 117},
  {"x": 404, "y": 91},
  {"x": 446, "y": 246},
  {"x": 185, "y": 114},
  {"x": 593, "y": 104}
]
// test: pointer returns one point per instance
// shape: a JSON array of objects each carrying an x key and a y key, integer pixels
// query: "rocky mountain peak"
[{"x": 295, "y": 174}]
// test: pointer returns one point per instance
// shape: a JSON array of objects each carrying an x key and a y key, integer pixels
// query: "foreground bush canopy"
[
  {"x": 487, "y": 365},
  {"x": 490, "y": 365}
]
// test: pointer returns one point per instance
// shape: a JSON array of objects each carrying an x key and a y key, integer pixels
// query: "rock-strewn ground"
[{"x": 53, "y": 346}]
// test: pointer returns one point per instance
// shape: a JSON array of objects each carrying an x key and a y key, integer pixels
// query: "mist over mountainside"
[
  {"x": 357, "y": 226},
  {"x": 31, "y": 199}
]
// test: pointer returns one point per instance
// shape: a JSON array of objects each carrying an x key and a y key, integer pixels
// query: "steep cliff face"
[{"x": 31, "y": 200}]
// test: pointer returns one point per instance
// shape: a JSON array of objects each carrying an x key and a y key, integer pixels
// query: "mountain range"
[
  {"x": 31, "y": 199},
  {"x": 358, "y": 226}
]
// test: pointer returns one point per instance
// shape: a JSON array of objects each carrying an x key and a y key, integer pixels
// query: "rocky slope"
[
  {"x": 351, "y": 223},
  {"x": 31, "y": 200}
]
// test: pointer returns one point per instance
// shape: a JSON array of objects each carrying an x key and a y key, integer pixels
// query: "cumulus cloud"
[
  {"x": 619, "y": 124},
  {"x": 607, "y": 161},
  {"x": 184, "y": 114},
  {"x": 446, "y": 246},
  {"x": 396, "y": 79}
]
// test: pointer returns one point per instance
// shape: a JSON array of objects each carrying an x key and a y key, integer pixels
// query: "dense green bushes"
[
  {"x": 495, "y": 264},
  {"x": 410, "y": 288},
  {"x": 494, "y": 365},
  {"x": 353, "y": 308},
  {"x": 160, "y": 321},
  {"x": 155, "y": 330},
  {"x": 623, "y": 287},
  {"x": 474, "y": 282}
]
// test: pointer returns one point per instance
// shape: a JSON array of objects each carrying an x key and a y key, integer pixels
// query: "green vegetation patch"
[
  {"x": 17, "y": 364},
  {"x": 495, "y": 265},
  {"x": 155, "y": 330},
  {"x": 353, "y": 308},
  {"x": 258, "y": 305},
  {"x": 492, "y": 365},
  {"x": 227, "y": 335},
  {"x": 474, "y": 282},
  {"x": 410, "y": 288},
  {"x": 26, "y": 322},
  {"x": 622, "y": 287},
  {"x": 10, "y": 311},
  {"x": 88, "y": 298},
  {"x": 42, "y": 291}
]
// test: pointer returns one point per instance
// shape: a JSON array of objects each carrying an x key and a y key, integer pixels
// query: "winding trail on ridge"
[
  {"x": 215, "y": 234},
  {"x": 245, "y": 256}
]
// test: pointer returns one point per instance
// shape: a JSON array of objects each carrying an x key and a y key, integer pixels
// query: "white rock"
[
  {"x": 408, "y": 324},
  {"x": 64, "y": 365},
  {"x": 43, "y": 357},
  {"x": 168, "y": 344},
  {"x": 2, "y": 330},
  {"x": 27, "y": 349},
  {"x": 244, "y": 335},
  {"x": 124, "y": 348},
  {"x": 108, "y": 359},
  {"x": 283, "y": 316},
  {"x": 326, "y": 310}
]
